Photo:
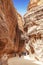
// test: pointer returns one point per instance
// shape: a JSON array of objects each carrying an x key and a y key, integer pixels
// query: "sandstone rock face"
[
  {"x": 34, "y": 3},
  {"x": 9, "y": 28},
  {"x": 34, "y": 25},
  {"x": 6, "y": 27},
  {"x": 20, "y": 22}
]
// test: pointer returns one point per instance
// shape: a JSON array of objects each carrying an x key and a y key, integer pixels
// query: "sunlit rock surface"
[
  {"x": 34, "y": 3},
  {"x": 34, "y": 25}
]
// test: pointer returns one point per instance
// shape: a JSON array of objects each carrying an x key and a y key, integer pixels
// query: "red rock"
[{"x": 9, "y": 28}]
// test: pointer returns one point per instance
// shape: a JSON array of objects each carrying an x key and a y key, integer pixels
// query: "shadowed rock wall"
[{"x": 9, "y": 28}]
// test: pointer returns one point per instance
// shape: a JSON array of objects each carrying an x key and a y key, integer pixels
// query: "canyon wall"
[
  {"x": 34, "y": 25},
  {"x": 10, "y": 28}
]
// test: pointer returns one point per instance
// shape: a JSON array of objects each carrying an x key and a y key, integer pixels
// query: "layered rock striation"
[
  {"x": 10, "y": 29},
  {"x": 34, "y": 25}
]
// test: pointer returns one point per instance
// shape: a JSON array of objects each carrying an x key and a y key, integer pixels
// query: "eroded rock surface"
[
  {"x": 34, "y": 29},
  {"x": 10, "y": 29}
]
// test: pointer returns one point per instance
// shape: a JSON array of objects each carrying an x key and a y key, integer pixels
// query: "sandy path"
[{"x": 20, "y": 61}]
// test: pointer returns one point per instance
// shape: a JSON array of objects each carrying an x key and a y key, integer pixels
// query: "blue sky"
[{"x": 21, "y": 6}]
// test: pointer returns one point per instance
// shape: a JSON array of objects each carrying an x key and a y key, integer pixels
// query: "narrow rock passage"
[{"x": 20, "y": 36}]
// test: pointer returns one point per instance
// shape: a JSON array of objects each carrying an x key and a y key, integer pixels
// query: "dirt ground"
[{"x": 21, "y": 61}]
